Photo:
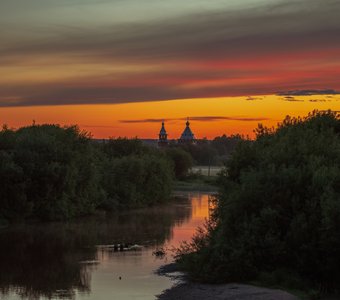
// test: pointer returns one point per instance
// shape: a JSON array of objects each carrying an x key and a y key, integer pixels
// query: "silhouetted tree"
[
  {"x": 279, "y": 208},
  {"x": 182, "y": 161}
]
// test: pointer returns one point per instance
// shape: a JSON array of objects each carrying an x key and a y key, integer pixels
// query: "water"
[{"x": 77, "y": 261}]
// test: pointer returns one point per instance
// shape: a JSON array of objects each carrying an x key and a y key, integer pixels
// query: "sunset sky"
[{"x": 118, "y": 67}]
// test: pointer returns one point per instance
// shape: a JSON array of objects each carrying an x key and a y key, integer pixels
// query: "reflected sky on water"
[{"x": 76, "y": 260}]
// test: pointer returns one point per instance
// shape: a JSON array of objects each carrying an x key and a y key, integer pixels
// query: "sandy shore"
[{"x": 197, "y": 291}]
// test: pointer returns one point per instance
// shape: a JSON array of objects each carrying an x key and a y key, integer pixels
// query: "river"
[{"x": 77, "y": 260}]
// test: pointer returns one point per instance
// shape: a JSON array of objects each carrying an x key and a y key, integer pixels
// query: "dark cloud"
[
  {"x": 221, "y": 118},
  {"x": 317, "y": 100},
  {"x": 292, "y": 99},
  {"x": 98, "y": 126},
  {"x": 79, "y": 94},
  {"x": 145, "y": 120},
  {"x": 309, "y": 92},
  {"x": 198, "y": 119},
  {"x": 250, "y": 98},
  {"x": 231, "y": 53},
  {"x": 213, "y": 34},
  {"x": 85, "y": 91}
]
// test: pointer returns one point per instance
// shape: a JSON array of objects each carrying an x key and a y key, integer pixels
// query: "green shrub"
[
  {"x": 135, "y": 181},
  {"x": 279, "y": 207},
  {"x": 50, "y": 172},
  {"x": 47, "y": 172},
  {"x": 181, "y": 160}
]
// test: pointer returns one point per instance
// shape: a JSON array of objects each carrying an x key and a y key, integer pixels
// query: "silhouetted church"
[
  {"x": 163, "y": 137},
  {"x": 187, "y": 136}
]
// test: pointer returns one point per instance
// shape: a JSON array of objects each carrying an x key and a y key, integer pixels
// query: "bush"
[
  {"x": 182, "y": 161},
  {"x": 50, "y": 172},
  {"x": 279, "y": 207},
  {"x": 133, "y": 181},
  {"x": 47, "y": 172},
  {"x": 134, "y": 175}
]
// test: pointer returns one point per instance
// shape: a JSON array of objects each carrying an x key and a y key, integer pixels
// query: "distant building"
[
  {"x": 163, "y": 137},
  {"x": 187, "y": 136}
]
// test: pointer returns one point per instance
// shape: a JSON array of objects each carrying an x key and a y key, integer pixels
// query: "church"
[{"x": 187, "y": 136}]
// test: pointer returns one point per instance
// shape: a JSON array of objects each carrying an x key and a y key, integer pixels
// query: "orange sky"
[
  {"x": 113, "y": 66},
  {"x": 209, "y": 116}
]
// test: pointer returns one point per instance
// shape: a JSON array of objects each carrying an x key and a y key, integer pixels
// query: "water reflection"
[{"x": 66, "y": 261}]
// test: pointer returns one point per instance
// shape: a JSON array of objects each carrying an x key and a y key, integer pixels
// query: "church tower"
[
  {"x": 187, "y": 136},
  {"x": 163, "y": 137}
]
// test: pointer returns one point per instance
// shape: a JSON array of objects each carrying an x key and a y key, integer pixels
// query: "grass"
[
  {"x": 196, "y": 182},
  {"x": 205, "y": 170}
]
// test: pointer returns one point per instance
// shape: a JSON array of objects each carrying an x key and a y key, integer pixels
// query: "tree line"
[
  {"x": 50, "y": 172},
  {"x": 277, "y": 216},
  {"x": 211, "y": 152}
]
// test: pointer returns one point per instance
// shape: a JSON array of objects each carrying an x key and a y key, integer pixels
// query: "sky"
[{"x": 118, "y": 67}]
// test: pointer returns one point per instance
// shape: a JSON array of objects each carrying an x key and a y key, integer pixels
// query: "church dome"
[
  {"x": 162, "y": 131},
  {"x": 187, "y": 134}
]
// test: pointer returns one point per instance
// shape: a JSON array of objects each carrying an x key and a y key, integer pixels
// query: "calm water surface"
[{"x": 77, "y": 261}]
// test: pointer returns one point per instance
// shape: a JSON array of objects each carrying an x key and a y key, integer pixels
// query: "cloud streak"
[
  {"x": 309, "y": 92},
  {"x": 198, "y": 119},
  {"x": 292, "y": 99}
]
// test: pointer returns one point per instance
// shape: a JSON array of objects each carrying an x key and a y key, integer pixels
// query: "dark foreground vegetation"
[
  {"x": 277, "y": 217},
  {"x": 49, "y": 172},
  {"x": 52, "y": 173}
]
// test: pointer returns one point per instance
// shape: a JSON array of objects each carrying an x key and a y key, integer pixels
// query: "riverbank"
[
  {"x": 187, "y": 290},
  {"x": 197, "y": 183},
  {"x": 233, "y": 291},
  {"x": 84, "y": 249}
]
